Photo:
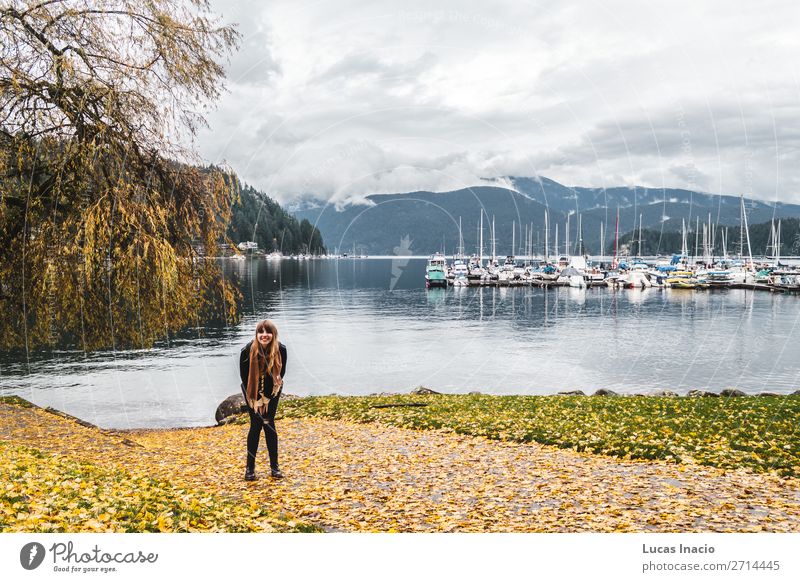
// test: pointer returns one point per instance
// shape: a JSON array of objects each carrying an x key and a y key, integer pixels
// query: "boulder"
[
  {"x": 423, "y": 390},
  {"x": 701, "y": 394},
  {"x": 664, "y": 393},
  {"x": 605, "y": 392},
  {"x": 473, "y": 393},
  {"x": 232, "y": 406},
  {"x": 572, "y": 393},
  {"x": 795, "y": 393},
  {"x": 730, "y": 392},
  {"x": 767, "y": 394}
]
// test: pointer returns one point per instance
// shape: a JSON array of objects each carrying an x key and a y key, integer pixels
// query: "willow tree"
[{"x": 104, "y": 221}]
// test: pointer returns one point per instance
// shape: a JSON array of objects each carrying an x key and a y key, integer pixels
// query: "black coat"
[{"x": 244, "y": 368}]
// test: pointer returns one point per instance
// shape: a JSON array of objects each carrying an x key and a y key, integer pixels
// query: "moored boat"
[{"x": 435, "y": 275}]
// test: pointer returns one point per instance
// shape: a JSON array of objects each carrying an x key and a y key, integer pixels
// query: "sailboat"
[
  {"x": 460, "y": 270},
  {"x": 743, "y": 271}
]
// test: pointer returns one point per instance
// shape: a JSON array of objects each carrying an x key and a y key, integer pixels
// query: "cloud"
[
  {"x": 342, "y": 100},
  {"x": 722, "y": 148},
  {"x": 254, "y": 64}
]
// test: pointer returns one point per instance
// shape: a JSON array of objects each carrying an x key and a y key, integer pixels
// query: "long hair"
[{"x": 264, "y": 360}]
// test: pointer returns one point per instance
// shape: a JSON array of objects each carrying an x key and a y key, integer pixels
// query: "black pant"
[{"x": 267, "y": 423}]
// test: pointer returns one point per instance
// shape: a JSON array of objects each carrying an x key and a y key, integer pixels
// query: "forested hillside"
[{"x": 257, "y": 217}]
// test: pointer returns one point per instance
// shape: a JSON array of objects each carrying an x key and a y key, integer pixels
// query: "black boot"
[
  {"x": 276, "y": 473},
  {"x": 250, "y": 475}
]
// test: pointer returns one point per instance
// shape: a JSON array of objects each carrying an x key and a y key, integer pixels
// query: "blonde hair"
[{"x": 263, "y": 360}]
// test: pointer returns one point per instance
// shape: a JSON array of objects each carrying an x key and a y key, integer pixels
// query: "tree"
[
  {"x": 104, "y": 224},
  {"x": 257, "y": 217}
]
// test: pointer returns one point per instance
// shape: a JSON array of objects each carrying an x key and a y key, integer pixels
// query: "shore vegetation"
[{"x": 755, "y": 433}]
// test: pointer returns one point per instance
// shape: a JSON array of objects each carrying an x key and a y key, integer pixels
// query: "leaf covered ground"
[
  {"x": 350, "y": 476},
  {"x": 44, "y": 492}
]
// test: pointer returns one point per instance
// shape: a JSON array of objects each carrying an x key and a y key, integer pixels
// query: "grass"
[
  {"x": 15, "y": 401},
  {"x": 759, "y": 434}
]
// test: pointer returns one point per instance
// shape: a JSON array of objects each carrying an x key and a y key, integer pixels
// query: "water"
[{"x": 366, "y": 326}]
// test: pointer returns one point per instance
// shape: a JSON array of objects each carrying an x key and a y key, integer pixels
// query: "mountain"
[
  {"x": 430, "y": 219},
  {"x": 257, "y": 217}
]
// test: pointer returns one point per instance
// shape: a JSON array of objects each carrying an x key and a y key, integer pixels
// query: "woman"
[{"x": 262, "y": 364}]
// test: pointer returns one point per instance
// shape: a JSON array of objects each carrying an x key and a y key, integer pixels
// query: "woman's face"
[{"x": 264, "y": 337}]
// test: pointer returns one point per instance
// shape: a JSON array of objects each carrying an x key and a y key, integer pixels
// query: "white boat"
[
  {"x": 460, "y": 281},
  {"x": 459, "y": 268},
  {"x": 635, "y": 280},
  {"x": 572, "y": 277}
]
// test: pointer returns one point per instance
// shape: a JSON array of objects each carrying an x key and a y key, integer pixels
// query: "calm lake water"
[{"x": 365, "y": 326}]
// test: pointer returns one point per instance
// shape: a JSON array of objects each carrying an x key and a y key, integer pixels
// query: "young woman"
[{"x": 262, "y": 364}]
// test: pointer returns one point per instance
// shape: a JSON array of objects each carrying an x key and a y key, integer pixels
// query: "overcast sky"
[{"x": 334, "y": 100}]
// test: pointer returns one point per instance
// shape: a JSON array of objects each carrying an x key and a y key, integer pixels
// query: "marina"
[
  {"x": 637, "y": 273},
  {"x": 697, "y": 270},
  {"x": 365, "y": 326}
]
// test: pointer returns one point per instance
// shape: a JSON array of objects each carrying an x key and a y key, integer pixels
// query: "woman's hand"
[
  {"x": 260, "y": 406},
  {"x": 277, "y": 385}
]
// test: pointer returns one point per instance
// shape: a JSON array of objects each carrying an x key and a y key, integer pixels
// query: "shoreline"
[{"x": 724, "y": 393}]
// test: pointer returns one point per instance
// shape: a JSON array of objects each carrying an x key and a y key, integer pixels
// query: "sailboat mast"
[
  {"x": 602, "y": 240},
  {"x": 460, "y": 240},
  {"x": 724, "y": 235},
  {"x": 741, "y": 226},
  {"x": 710, "y": 241},
  {"x": 747, "y": 234},
  {"x": 513, "y": 236},
  {"x": 546, "y": 236},
  {"x": 616, "y": 239},
  {"x": 530, "y": 254},
  {"x": 480, "y": 251},
  {"x": 684, "y": 240},
  {"x": 494, "y": 242},
  {"x": 640, "y": 235},
  {"x": 556, "y": 247}
]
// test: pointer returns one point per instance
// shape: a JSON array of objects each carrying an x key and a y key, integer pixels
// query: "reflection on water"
[{"x": 364, "y": 326}]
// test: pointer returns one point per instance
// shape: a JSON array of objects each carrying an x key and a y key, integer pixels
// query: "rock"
[
  {"x": 572, "y": 393},
  {"x": 730, "y": 392},
  {"x": 767, "y": 394},
  {"x": 289, "y": 396},
  {"x": 795, "y": 393},
  {"x": 701, "y": 394},
  {"x": 474, "y": 393},
  {"x": 230, "y": 407},
  {"x": 664, "y": 393},
  {"x": 605, "y": 392},
  {"x": 385, "y": 394},
  {"x": 232, "y": 419},
  {"x": 423, "y": 390}
]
